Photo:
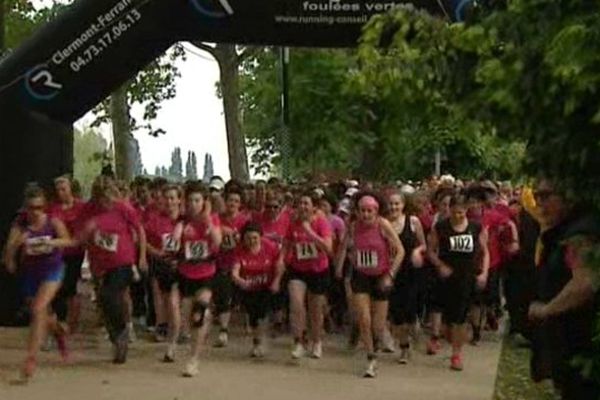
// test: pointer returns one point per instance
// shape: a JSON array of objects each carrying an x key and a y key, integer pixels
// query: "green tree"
[{"x": 89, "y": 150}]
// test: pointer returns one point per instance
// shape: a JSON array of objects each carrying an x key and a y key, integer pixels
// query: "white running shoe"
[
  {"x": 169, "y": 355},
  {"x": 222, "y": 340},
  {"x": 317, "y": 351},
  {"x": 191, "y": 369},
  {"x": 371, "y": 371},
  {"x": 298, "y": 351},
  {"x": 257, "y": 351},
  {"x": 131, "y": 333},
  {"x": 404, "y": 356}
]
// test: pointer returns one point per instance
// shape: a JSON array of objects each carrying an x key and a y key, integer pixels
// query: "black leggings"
[
  {"x": 257, "y": 305},
  {"x": 68, "y": 289},
  {"x": 111, "y": 295}
]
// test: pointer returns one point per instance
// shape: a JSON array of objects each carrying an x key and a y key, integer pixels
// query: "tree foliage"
[
  {"x": 89, "y": 151},
  {"x": 338, "y": 122}
]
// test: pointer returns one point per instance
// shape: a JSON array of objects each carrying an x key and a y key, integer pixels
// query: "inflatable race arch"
[{"x": 93, "y": 46}]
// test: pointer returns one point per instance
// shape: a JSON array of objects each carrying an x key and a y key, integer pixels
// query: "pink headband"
[{"x": 368, "y": 202}]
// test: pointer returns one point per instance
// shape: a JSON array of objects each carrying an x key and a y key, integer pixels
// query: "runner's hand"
[
  {"x": 275, "y": 287},
  {"x": 538, "y": 311},
  {"x": 385, "y": 283},
  {"x": 143, "y": 264},
  {"x": 445, "y": 271},
  {"x": 482, "y": 280},
  {"x": 417, "y": 258}
]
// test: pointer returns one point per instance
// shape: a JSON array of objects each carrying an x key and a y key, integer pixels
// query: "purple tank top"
[{"x": 36, "y": 255}]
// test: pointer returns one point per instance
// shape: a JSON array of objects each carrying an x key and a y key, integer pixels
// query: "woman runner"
[
  {"x": 33, "y": 245},
  {"x": 307, "y": 247},
  {"x": 375, "y": 254},
  {"x": 257, "y": 270},
  {"x": 200, "y": 237},
  {"x": 458, "y": 249}
]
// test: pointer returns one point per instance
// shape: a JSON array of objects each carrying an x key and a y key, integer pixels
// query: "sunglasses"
[{"x": 272, "y": 206}]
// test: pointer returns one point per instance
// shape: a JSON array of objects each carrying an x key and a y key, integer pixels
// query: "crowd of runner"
[{"x": 372, "y": 261}]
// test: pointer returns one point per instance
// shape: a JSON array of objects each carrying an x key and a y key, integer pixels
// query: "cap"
[
  {"x": 488, "y": 185},
  {"x": 345, "y": 206},
  {"x": 216, "y": 184},
  {"x": 407, "y": 189},
  {"x": 352, "y": 183},
  {"x": 351, "y": 192}
]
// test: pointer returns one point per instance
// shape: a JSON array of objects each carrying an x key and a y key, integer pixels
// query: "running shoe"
[
  {"x": 61, "y": 344},
  {"x": 169, "y": 356},
  {"x": 191, "y": 369},
  {"x": 404, "y": 356},
  {"x": 298, "y": 351},
  {"x": 222, "y": 340},
  {"x": 476, "y": 337},
  {"x": 257, "y": 351},
  {"x": 371, "y": 370},
  {"x": 121, "y": 347},
  {"x": 433, "y": 347},
  {"x": 317, "y": 351},
  {"x": 456, "y": 363},
  {"x": 29, "y": 367}
]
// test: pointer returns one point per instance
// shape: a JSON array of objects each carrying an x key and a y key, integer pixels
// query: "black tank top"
[
  {"x": 409, "y": 242},
  {"x": 459, "y": 250}
]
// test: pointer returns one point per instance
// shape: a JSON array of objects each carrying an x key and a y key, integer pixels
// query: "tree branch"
[
  {"x": 248, "y": 52},
  {"x": 205, "y": 47}
]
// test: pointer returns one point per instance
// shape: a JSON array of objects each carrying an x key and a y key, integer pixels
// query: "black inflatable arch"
[{"x": 76, "y": 60}]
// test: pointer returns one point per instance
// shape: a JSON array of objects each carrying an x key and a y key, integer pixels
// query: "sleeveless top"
[
  {"x": 36, "y": 255},
  {"x": 459, "y": 250},
  {"x": 370, "y": 252},
  {"x": 409, "y": 242}
]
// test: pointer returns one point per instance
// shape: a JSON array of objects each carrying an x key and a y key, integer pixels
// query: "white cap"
[
  {"x": 447, "y": 179},
  {"x": 351, "y": 191},
  {"x": 319, "y": 192},
  {"x": 407, "y": 189},
  {"x": 352, "y": 183},
  {"x": 345, "y": 206},
  {"x": 216, "y": 184}
]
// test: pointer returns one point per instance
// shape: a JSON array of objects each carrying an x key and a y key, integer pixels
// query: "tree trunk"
[
  {"x": 119, "y": 115},
  {"x": 2, "y": 26},
  {"x": 227, "y": 58}
]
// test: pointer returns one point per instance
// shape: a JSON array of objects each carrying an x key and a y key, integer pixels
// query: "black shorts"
[
  {"x": 257, "y": 304},
  {"x": 166, "y": 276},
  {"x": 189, "y": 287},
  {"x": 457, "y": 298},
  {"x": 222, "y": 291},
  {"x": 404, "y": 297},
  {"x": 316, "y": 283},
  {"x": 72, "y": 275},
  {"x": 365, "y": 284}
]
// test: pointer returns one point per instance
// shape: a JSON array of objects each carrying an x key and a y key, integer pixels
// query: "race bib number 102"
[{"x": 461, "y": 243}]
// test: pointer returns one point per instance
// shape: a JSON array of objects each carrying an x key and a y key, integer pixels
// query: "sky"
[{"x": 193, "y": 120}]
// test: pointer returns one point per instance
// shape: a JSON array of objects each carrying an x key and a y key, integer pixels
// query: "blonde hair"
[{"x": 104, "y": 186}]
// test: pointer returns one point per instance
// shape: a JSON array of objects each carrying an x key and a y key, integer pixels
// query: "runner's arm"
[
  {"x": 396, "y": 248},
  {"x": 64, "y": 238},
  {"x": 485, "y": 253},
  {"x": 11, "y": 248}
]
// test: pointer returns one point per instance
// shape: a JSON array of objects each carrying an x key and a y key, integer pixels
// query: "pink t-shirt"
[
  {"x": 303, "y": 254},
  {"x": 112, "y": 243},
  {"x": 159, "y": 232},
  {"x": 275, "y": 230},
  {"x": 258, "y": 268},
  {"x": 198, "y": 249},
  {"x": 71, "y": 218},
  {"x": 231, "y": 230}
]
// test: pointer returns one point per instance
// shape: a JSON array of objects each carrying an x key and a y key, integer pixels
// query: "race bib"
[
  {"x": 38, "y": 246},
  {"x": 306, "y": 251},
  {"x": 229, "y": 242},
  {"x": 461, "y": 243},
  {"x": 169, "y": 243},
  {"x": 107, "y": 241},
  {"x": 258, "y": 280},
  {"x": 367, "y": 259},
  {"x": 196, "y": 250}
]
